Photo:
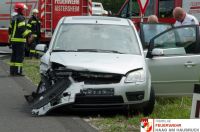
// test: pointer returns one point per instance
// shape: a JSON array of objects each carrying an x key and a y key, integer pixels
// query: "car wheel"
[{"x": 148, "y": 109}]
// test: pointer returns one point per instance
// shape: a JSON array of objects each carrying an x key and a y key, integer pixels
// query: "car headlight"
[{"x": 135, "y": 76}]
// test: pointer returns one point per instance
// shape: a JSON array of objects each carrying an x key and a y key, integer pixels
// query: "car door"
[{"x": 176, "y": 68}]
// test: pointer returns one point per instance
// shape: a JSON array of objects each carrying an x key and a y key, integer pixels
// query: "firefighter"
[
  {"x": 18, "y": 34},
  {"x": 34, "y": 25}
]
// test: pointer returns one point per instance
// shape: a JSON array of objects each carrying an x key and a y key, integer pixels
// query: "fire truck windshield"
[
  {"x": 135, "y": 9},
  {"x": 162, "y": 8}
]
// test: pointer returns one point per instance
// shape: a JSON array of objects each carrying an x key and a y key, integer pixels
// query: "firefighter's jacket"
[
  {"x": 34, "y": 25},
  {"x": 18, "y": 31}
]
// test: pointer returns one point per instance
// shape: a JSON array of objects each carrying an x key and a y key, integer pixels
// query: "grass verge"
[
  {"x": 31, "y": 69},
  {"x": 165, "y": 108}
]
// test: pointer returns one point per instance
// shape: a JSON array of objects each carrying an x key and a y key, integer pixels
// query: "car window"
[
  {"x": 92, "y": 36},
  {"x": 96, "y": 5},
  {"x": 185, "y": 37},
  {"x": 150, "y": 30}
]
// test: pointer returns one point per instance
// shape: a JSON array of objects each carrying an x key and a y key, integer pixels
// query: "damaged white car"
[{"x": 93, "y": 63}]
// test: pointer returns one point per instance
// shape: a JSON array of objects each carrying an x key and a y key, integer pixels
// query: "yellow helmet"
[{"x": 35, "y": 11}]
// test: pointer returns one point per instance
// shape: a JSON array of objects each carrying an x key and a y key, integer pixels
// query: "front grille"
[
  {"x": 90, "y": 77},
  {"x": 96, "y": 78},
  {"x": 82, "y": 99}
]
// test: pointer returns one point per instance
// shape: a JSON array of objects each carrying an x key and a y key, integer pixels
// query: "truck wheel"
[{"x": 148, "y": 109}]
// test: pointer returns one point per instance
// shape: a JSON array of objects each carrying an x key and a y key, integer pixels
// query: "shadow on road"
[{"x": 90, "y": 113}]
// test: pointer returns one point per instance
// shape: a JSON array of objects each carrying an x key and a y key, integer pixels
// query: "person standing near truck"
[
  {"x": 18, "y": 34},
  {"x": 152, "y": 19},
  {"x": 151, "y": 29},
  {"x": 34, "y": 25},
  {"x": 182, "y": 18}
]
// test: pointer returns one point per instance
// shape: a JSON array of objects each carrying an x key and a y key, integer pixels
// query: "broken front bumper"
[
  {"x": 67, "y": 92},
  {"x": 61, "y": 93}
]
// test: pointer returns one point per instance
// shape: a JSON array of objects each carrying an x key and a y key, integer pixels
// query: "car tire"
[{"x": 148, "y": 109}]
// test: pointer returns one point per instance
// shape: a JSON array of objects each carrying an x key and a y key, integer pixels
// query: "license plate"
[{"x": 92, "y": 91}]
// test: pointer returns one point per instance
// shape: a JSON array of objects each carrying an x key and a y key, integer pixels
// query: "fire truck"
[
  {"x": 161, "y": 8},
  {"x": 50, "y": 12}
]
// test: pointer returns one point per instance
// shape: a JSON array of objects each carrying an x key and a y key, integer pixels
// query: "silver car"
[{"x": 94, "y": 62}]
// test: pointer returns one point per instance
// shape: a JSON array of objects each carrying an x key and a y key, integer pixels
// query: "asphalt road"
[
  {"x": 5, "y": 49},
  {"x": 15, "y": 113}
]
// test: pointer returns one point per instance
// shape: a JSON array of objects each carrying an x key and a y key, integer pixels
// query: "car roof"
[
  {"x": 97, "y": 3},
  {"x": 96, "y": 20}
]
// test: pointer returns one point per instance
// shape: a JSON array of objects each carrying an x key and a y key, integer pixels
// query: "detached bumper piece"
[{"x": 61, "y": 93}]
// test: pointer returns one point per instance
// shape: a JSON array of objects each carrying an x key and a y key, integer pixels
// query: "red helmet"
[{"x": 19, "y": 7}]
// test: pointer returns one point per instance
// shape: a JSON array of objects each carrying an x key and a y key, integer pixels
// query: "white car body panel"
[
  {"x": 97, "y": 9},
  {"x": 98, "y": 62},
  {"x": 176, "y": 79}
]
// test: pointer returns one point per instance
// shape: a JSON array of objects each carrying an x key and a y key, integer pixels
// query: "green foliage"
[
  {"x": 111, "y": 5},
  {"x": 165, "y": 108},
  {"x": 31, "y": 69}
]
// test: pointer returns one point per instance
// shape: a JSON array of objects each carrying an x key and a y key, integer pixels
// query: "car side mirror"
[
  {"x": 157, "y": 52},
  {"x": 41, "y": 47},
  {"x": 167, "y": 51}
]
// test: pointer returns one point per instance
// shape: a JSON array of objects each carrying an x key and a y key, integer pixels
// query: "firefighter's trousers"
[
  {"x": 33, "y": 52},
  {"x": 17, "y": 57}
]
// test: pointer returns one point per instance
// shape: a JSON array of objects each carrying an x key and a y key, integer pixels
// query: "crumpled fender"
[{"x": 62, "y": 93}]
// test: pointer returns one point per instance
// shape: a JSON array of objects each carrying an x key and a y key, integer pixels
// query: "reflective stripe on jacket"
[
  {"x": 16, "y": 64},
  {"x": 18, "y": 30}
]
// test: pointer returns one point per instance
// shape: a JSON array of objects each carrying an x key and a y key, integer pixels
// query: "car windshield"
[{"x": 96, "y": 38}]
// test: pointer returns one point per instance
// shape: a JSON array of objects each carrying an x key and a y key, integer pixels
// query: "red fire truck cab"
[
  {"x": 50, "y": 12},
  {"x": 161, "y": 8}
]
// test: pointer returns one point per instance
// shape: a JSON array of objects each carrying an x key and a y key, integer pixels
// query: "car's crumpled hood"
[{"x": 98, "y": 62}]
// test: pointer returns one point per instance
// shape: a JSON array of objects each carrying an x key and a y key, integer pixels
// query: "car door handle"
[{"x": 189, "y": 64}]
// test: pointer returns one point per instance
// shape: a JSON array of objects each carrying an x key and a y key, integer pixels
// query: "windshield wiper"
[
  {"x": 60, "y": 50},
  {"x": 88, "y": 50},
  {"x": 99, "y": 50}
]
